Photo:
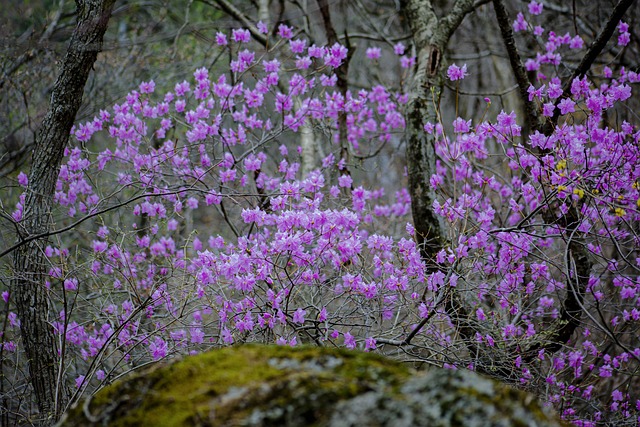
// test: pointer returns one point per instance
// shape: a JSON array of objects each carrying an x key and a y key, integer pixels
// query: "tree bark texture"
[
  {"x": 431, "y": 35},
  {"x": 29, "y": 262}
]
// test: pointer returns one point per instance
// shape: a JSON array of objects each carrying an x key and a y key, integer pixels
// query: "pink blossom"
[
  {"x": 147, "y": 87},
  {"x": 298, "y": 316},
  {"x": 221, "y": 39},
  {"x": 407, "y": 61},
  {"x": 519, "y": 24},
  {"x": 349, "y": 341},
  {"x": 285, "y": 32},
  {"x": 241, "y": 36},
  {"x": 566, "y": 106},
  {"x": 297, "y": 46},
  {"x": 535, "y": 8},
  {"x": 23, "y": 180},
  {"x": 158, "y": 348},
  {"x": 457, "y": 73},
  {"x": 262, "y": 27},
  {"x": 373, "y": 53},
  {"x": 345, "y": 181},
  {"x": 399, "y": 48}
]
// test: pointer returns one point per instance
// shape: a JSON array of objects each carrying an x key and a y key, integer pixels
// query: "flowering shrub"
[{"x": 192, "y": 225}]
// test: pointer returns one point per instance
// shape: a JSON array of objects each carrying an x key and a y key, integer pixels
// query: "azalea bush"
[{"x": 192, "y": 218}]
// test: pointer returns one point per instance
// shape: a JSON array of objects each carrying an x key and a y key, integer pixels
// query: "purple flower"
[
  {"x": 79, "y": 381},
  {"x": 315, "y": 51},
  {"x": 227, "y": 338},
  {"x": 519, "y": 24},
  {"x": 285, "y": 32},
  {"x": 576, "y": 43},
  {"x": 407, "y": 61},
  {"x": 566, "y": 106},
  {"x": 147, "y": 87},
  {"x": 624, "y": 39},
  {"x": 547, "y": 109},
  {"x": 23, "y": 180},
  {"x": 71, "y": 284},
  {"x": 373, "y": 53},
  {"x": 399, "y": 48},
  {"x": 345, "y": 181},
  {"x": 303, "y": 63},
  {"x": 298, "y": 316},
  {"x": 457, "y": 73},
  {"x": 99, "y": 246},
  {"x": 197, "y": 336},
  {"x": 297, "y": 46},
  {"x": 221, "y": 39},
  {"x": 535, "y": 8},
  {"x": 241, "y": 35},
  {"x": 461, "y": 126},
  {"x": 335, "y": 55},
  {"x": 158, "y": 348},
  {"x": 349, "y": 341},
  {"x": 369, "y": 344}
]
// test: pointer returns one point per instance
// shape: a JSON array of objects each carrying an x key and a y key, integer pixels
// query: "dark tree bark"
[{"x": 29, "y": 293}]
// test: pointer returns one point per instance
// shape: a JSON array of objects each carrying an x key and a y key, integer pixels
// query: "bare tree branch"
[
  {"x": 594, "y": 50},
  {"x": 241, "y": 17},
  {"x": 504, "y": 22}
]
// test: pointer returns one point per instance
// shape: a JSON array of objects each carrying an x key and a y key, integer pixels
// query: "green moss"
[
  {"x": 257, "y": 385},
  {"x": 239, "y": 383}
]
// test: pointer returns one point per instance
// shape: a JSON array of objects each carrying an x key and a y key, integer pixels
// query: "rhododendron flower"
[
  {"x": 241, "y": 35},
  {"x": 298, "y": 316},
  {"x": 158, "y": 348},
  {"x": 349, "y": 341},
  {"x": 520, "y": 24},
  {"x": 221, "y": 39},
  {"x": 407, "y": 61},
  {"x": 23, "y": 180},
  {"x": 262, "y": 27},
  {"x": 373, "y": 53},
  {"x": 297, "y": 46},
  {"x": 147, "y": 87},
  {"x": 285, "y": 32},
  {"x": 79, "y": 381},
  {"x": 399, "y": 48},
  {"x": 71, "y": 284},
  {"x": 566, "y": 106},
  {"x": 457, "y": 73},
  {"x": 535, "y": 8}
]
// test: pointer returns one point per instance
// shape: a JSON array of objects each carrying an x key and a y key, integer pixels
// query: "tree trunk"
[
  {"x": 30, "y": 267},
  {"x": 431, "y": 35}
]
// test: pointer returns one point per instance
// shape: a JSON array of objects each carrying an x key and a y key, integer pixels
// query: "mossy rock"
[{"x": 254, "y": 385}]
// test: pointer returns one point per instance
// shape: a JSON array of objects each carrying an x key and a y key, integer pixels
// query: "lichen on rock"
[{"x": 254, "y": 385}]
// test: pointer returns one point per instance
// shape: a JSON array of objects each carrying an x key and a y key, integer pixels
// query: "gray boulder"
[{"x": 254, "y": 385}]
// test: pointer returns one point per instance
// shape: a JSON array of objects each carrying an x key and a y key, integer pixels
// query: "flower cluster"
[{"x": 210, "y": 227}]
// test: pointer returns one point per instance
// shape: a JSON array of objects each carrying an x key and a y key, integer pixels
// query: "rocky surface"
[{"x": 255, "y": 385}]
